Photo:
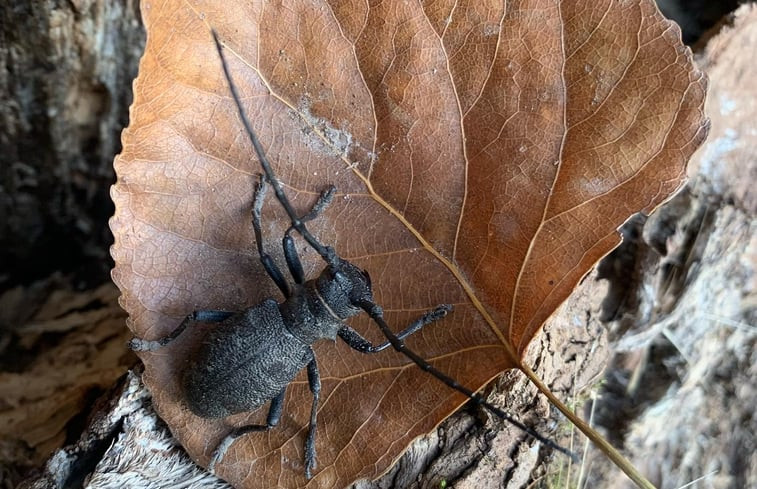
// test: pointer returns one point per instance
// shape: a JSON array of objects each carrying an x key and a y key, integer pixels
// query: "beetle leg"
[
  {"x": 274, "y": 414},
  {"x": 293, "y": 260},
  {"x": 324, "y": 199},
  {"x": 314, "y": 381},
  {"x": 138, "y": 344},
  {"x": 270, "y": 266},
  {"x": 290, "y": 251},
  {"x": 357, "y": 342}
]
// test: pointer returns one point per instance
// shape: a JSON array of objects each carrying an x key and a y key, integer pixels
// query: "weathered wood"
[{"x": 66, "y": 70}]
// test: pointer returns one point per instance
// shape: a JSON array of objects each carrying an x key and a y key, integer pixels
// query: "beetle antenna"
[
  {"x": 376, "y": 313},
  {"x": 326, "y": 252}
]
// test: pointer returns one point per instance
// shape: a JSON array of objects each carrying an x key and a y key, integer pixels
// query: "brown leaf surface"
[{"x": 484, "y": 153}]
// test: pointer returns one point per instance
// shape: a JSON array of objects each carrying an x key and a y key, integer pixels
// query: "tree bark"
[{"x": 65, "y": 88}]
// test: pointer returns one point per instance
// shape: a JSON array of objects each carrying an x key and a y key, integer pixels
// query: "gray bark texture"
[
  {"x": 670, "y": 314},
  {"x": 66, "y": 70}
]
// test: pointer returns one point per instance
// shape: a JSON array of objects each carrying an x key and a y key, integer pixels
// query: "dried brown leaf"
[{"x": 484, "y": 153}]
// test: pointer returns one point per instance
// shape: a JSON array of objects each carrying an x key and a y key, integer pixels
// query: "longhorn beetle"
[{"x": 252, "y": 356}]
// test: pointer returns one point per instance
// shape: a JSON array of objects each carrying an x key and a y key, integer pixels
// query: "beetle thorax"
[{"x": 318, "y": 308}]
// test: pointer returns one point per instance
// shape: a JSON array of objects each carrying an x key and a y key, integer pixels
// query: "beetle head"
[
  {"x": 354, "y": 281},
  {"x": 344, "y": 286}
]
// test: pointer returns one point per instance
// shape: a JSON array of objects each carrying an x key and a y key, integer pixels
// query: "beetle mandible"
[{"x": 267, "y": 345}]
